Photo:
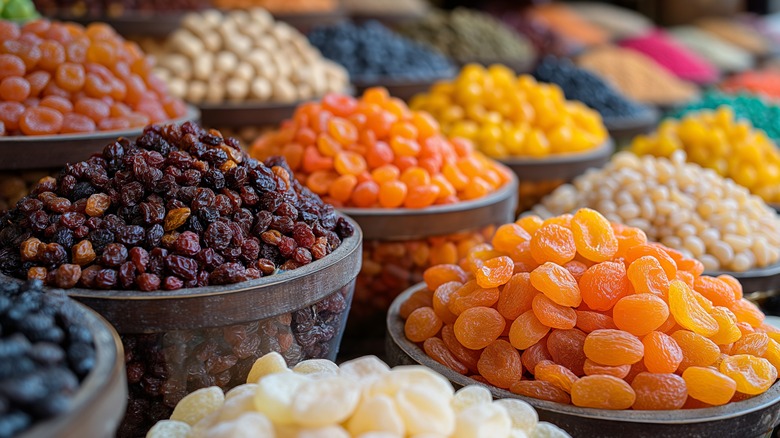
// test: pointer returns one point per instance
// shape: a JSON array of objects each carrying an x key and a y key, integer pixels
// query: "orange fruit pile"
[
  {"x": 579, "y": 310},
  {"x": 58, "y": 78},
  {"x": 375, "y": 152}
]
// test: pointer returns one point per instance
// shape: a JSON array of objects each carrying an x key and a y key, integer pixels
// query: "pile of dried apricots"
[
  {"x": 375, "y": 152},
  {"x": 59, "y": 78},
  {"x": 575, "y": 309}
]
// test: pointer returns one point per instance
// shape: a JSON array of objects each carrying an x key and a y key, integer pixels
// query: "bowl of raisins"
[
  {"x": 62, "y": 371},
  {"x": 744, "y": 416},
  {"x": 202, "y": 258}
]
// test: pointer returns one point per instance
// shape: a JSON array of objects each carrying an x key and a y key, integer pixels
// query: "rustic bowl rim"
[
  {"x": 681, "y": 416},
  {"x": 604, "y": 149}
]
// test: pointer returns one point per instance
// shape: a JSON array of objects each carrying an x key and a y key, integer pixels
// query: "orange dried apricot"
[
  {"x": 437, "y": 350},
  {"x": 708, "y": 385},
  {"x": 640, "y": 314},
  {"x": 526, "y": 330},
  {"x": 558, "y": 375},
  {"x": 594, "y": 237},
  {"x": 567, "y": 348},
  {"x": 588, "y": 321},
  {"x": 659, "y": 391},
  {"x": 557, "y": 283},
  {"x": 464, "y": 355},
  {"x": 697, "y": 350},
  {"x": 540, "y": 390},
  {"x": 553, "y": 243},
  {"x": 753, "y": 375},
  {"x": 662, "y": 354},
  {"x": 613, "y": 347},
  {"x": 437, "y": 275},
  {"x": 422, "y": 324},
  {"x": 604, "y": 284},
  {"x": 602, "y": 392},
  {"x": 500, "y": 364},
  {"x": 553, "y": 315},
  {"x": 516, "y": 297},
  {"x": 688, "y": 311},
  {"x": 477, "y": 327},
  {"x": 495, "y": 272},
  {"x": 592, "y": 368},
  {"x": 647, "y": 276}
]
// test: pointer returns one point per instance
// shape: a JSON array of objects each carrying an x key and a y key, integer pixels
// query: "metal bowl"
[
  {"x": 100, "y": 402},
  {"x": 626, "y": 128},
  {"x": 404, "y": 89},
  {"x": 55, "y": 151},
  {"x": 234, "y": 115},
  {"x": 560, "y": 166},
  {"x": 752, "y": 418},
  {"x": 179, "y": 341}
]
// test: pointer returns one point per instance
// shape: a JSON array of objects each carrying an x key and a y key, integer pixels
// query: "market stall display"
[
  {"x": 61, "y": 366},
  {"x": 683, "y": 206},
  {"x": 765, "y": 83},
  {"x": 727, "y": 57},
  {"x": 562, "y": 20},
  {"x": 517, "y": 120},
  {"x": 365, "y": 49},
  {"x": 761, "y": 113},
  {"x": 617, "y": 21},
  {"x": 638, "y": 76},
  {"x": 397, "y": 401},
  {"x": 676, "y": 58},
  {"x": 591, "y": 308},
  {"x": 739, "y": 34},
  {"x": 60, "y": 78},
  {"x": 470, "y": 36},
  {"x": 622, "y": 116},
  {"x": 422, "y": 198},
  {"x": 718, "y": 141},
  {"x": 184, "y": 208},
  {"x": 242, "y": 67}
]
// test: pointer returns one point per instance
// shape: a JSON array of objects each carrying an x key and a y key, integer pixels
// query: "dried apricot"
[
  {"x": 708, "y": 385},
  {"x": 422, "y": 324},
  {"x": 553, "y": 315},
  {"x": 603, "y": 284},
  {"x": 516, "y": 296},
  {"x": 441, "y": 301},
  {"x": 602, "y": 392},
  {"x": 687, "y": 310},
  {"x": 478, "y": 327},
  {"x": 594, "y": 237},
  {"x": 728, "y": 331},
  {"x": 697, "y": 350},
  {"x": 557, "y": 283},
  {"x": 719, "y": 292},
  {"x": 558, "y": 375},
  {"x": 567, "y": 348},
  {"x": 613, "y": 347},
  {"x": 592, "y": 368},
  {"x": 662, "y": 354},
  {"x": 472, "y": 295},
  {"x": 540, "y": 390},
  {"x": 647, "y": 276},
  {"x": 526, "y": 330},
  {"x": 753, "y": 375},
  {"x": 553, "y": 243},
  {"x": 659, "y": 391},
  {"x": 495, "y": 272},
  {"x": 640, "y": 314},
  {"x": 437, "y": 350},
  {"x": 588, "y": 321},
  {"x": 464, "y": 355},
  {"x": 500, "y": 364},
  {"x": 534, "y": 354}
]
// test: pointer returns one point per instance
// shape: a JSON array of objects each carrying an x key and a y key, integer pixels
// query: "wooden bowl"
[
  {"x": 388, "y": 224},
  {"x": 233, "y": 115},
  {"x": 99, "y": 404},
  {"x": 752, "y": 418},
  {"x": 55, "y": 151},
  {"x": 560, "y": 166}
]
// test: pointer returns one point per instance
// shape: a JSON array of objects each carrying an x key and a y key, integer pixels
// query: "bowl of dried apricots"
[
  {"x": 420, "y": 197},
  {"x": 68, "y": 89},
  {"x": 605, "y": 333}
]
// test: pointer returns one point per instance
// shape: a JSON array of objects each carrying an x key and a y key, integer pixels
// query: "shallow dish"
[
  {"x": 55, "y": 151},
  {"x": 404, "y": 89},
  {"x": 755, "y": 280},
  {"x": 626, "y": 128},
  {"x": 752, "y": 418}
]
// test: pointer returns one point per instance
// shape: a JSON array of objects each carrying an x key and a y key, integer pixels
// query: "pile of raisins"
[
  {"x": 179, "y": 207},
  {"x": 45, "y": 352}
]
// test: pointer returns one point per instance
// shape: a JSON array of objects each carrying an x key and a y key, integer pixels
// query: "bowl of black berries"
[
  {"x": 202, "y": 258},
  {"x": 61, "y": 367},
  {"x": 376, "y": 56}
]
